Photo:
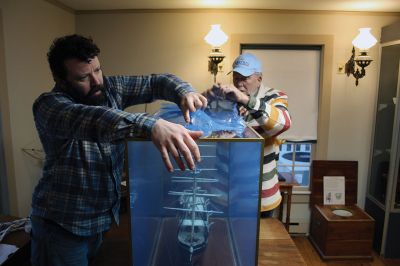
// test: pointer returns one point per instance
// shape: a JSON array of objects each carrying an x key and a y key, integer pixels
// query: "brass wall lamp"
[
  {"x": 363, "y": 42},
  {"x": 215, "y": 37}
]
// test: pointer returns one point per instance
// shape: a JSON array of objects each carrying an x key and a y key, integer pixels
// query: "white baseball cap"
[{"x": 246, "y": 65}]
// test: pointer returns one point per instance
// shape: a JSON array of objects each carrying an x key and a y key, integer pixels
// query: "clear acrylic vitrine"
[{"x": 208, "y": 216}]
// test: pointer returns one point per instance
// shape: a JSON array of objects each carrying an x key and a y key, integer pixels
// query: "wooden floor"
[
  {"x": 115, "y": 251},
  {"x": 312, "y": 258}
]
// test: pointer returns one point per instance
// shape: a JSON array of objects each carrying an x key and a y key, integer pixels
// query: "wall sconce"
[
  {"x": 363, "y": 42},
  {"x": 215, "y": 37}
]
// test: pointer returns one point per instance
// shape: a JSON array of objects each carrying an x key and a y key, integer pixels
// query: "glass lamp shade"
[
  {"x": 216, "y": 37},
  {"x": 364, "y": 39}
]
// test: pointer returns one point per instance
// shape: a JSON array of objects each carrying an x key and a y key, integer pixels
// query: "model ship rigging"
[{"x": 194, "y": 213}]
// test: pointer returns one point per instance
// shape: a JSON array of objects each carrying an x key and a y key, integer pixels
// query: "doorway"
[{"x": 4, "y": 199}]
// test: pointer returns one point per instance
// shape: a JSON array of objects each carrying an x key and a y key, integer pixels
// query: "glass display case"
[
  {"x": 383, "y": 193},
  {"x": 384, "y": 122},
  {"x": 208, "y": 216}
]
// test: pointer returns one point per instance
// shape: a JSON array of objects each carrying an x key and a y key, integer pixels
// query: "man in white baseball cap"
[
  {"x": 265, "y": 109},
  {"x": 246, "y": 65}
]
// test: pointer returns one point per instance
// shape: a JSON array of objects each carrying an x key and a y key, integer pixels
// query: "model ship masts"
[
  {"x": 178, "y": 193},
  {"x": 191, "y": 179},
  {"x": 194, "y": 212},
  {"x": 187, "y": 181},
  {"x": 188, "y": 210},
  {"x": 194, "y": 223},
  {"x": 207, "y": 145},
  {"x": 190, "y": 200},
  {"x": 203, "y": 169}
]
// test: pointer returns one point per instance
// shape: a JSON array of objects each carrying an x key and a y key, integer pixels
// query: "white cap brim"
[{"x": 242, "y": 71}]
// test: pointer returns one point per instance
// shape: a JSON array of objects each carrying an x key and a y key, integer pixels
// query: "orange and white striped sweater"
[{"x": 267, "y": 113}]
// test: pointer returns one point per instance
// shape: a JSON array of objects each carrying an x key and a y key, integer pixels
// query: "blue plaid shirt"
[{"x": 80, "y": 184}]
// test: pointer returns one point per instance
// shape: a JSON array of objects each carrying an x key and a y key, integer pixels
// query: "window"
[
  {"x": 294, "y": 69},
  {"x": 288, "y": 147},
  {"x": 296, "y": 164},
  {"x": 301, "y": 63}
]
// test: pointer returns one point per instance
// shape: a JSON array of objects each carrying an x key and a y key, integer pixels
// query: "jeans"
[{"x": 52, "y": 245}]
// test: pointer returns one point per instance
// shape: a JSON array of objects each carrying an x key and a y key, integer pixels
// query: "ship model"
[{"x": 194, "y": 213}]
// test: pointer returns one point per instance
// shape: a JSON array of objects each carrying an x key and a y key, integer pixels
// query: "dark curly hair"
[{"x": 67, "y": 47}]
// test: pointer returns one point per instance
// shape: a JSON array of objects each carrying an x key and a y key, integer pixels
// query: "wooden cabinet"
[
  {"x": 337, "y": 237},
  {"x": 334, "y": 236}
]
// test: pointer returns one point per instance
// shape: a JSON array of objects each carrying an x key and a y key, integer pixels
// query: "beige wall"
[
  {"x": 154, "y": 42},
  {"x": 29, "y": 26}
]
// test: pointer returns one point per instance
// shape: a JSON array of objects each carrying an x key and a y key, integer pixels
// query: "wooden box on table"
[{"x": 339, "y": 236}]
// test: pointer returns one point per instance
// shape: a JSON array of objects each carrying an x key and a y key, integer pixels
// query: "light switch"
[{"x": 340, "y": 68}]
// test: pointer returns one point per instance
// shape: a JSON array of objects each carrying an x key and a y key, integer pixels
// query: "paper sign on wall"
[{"x": 334, "y": 190}]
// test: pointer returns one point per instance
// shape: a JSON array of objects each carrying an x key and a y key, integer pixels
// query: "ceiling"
[{"x": 329, "y": 5}]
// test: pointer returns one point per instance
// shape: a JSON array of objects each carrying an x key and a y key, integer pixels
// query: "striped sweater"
[{"x": 267, "y": 113}]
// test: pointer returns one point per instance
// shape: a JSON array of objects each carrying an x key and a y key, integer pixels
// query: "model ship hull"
[
  {"x": 193, "y": 229},
  {"x": 192, "y": 250},
  {"x": 193, "y": 226}
]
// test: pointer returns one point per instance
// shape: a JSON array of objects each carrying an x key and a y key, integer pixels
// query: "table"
[
  {"x": 286, "y": 188},
  {"x": 276, "y": 247}
]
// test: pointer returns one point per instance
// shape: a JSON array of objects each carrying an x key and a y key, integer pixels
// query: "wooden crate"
[{"x": 333, "y": 236}]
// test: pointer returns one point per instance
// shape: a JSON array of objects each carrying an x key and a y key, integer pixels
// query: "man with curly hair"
[{"x": 82, "y": 124}]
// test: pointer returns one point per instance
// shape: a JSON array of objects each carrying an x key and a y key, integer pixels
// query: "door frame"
[{"x": 326, "y": 43}]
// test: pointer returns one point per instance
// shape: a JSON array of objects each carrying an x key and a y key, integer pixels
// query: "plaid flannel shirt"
[{"x": 80, "y": 184}]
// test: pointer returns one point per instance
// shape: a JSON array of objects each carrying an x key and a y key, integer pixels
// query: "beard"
[{"x": 90, "y": 98}]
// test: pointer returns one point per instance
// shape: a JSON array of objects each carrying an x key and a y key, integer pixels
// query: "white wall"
[
  {"x": 29, "y": 27},
  {"x": 153, "y": 42}
]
